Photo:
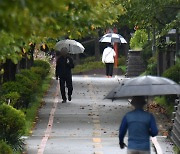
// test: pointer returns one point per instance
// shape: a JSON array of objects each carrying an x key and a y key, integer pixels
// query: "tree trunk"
[
  {"x": 97, "y": 51},
  {"x": 9, "y": 71}
]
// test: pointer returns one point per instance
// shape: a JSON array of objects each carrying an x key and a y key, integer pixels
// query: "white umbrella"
[
  {"x": 73, "y": 46},
  {"x": 112, "y": 37},
  {"x": 145, "y": 86}
]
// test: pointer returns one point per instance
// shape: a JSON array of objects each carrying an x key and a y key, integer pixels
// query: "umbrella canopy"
[
  {"x": 112, "y": 37},
  {"x": 73, "y": 46},
  {"x": 145, "y": 86}
]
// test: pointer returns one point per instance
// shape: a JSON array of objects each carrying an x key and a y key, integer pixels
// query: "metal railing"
[{"x": 175, "y": 134}]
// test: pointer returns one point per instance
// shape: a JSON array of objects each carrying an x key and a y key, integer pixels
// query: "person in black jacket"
[{"x": 64, "y": 65}]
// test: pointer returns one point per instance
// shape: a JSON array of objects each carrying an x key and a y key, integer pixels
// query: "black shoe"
[
  {"x": 64, "y": 101},
  {"x": 69, "y": 97}
]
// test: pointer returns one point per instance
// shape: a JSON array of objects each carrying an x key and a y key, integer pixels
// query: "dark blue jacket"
[{"x": 140, "y": 126}]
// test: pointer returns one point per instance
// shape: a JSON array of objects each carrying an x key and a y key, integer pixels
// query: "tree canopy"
[
  {"x": 146, "y": 14},
  {"x": 24, "y": 21}
]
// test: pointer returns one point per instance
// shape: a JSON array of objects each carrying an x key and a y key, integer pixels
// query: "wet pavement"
[{"x": 87, "y": 125}]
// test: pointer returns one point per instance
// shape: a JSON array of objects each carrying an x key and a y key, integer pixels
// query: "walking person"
[
  {"x": 140, "y": 126},
  {"x": 108, "y": 59},
  {"x": 64, "y": 65}
]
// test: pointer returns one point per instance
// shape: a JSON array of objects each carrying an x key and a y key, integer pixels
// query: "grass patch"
[
  {"x": 163, "y": 102},
  {"x": 123, "y": 68},
  {"x": 36, "y": 103},
  {"x": 87, "y": 66},
  {"x": 90, "y": 63},
  {"x": 176, "y": 150}
]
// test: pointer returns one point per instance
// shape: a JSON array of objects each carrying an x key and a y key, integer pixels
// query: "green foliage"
[
  {"x": 168, "y": 105},
  {"x": 27, "y": 82},
  {"x": 152, "y": 66},
  {"x": 12, "y": 124},
  {"x": 173, "y": 73},
  {"x": 27, "y": 85},
  {"x": 44, "y": 64},
  {"x": 9, "y": 48},
  {"x": 11, "y": 98},
  {"x": 139, "y": 39},
  {"x": 32, "y": 111},
  {"x": 31, "y": 21},
  {"x": 145, "y": 14},
  {"x": 5, "y": 148},
  {"x": 122, "y": 61},
  {"x": 123, "y": 68},
  {"x": 90, "y": 63},
  {"x": 10, "y": 86},
  {"x": 176, "y": 150},
  {"x": 147, "y": 52},
  {"x": 34, "y": 77},
  {"x": 40, "y": 71},
  {"x": 168, "y": 101},
  {"x": 88, "y": 66},
  {"x": 13, "y": 86},
  {"x": 88, "y": 59}
]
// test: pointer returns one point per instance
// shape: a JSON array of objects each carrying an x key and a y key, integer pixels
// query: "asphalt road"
[{"x": 87, "y": 125}]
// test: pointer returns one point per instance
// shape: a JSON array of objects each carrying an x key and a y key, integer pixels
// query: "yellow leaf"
[
  {"x": 24, "y": 51},
  {"x": 43, "y": 46}
]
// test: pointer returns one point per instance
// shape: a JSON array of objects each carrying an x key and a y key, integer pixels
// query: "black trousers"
[
  {"x": 66, "y": 82},
  {"x": 109, "y": 69}
]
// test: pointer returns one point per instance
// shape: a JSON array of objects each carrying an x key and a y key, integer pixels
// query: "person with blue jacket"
[{"x": 140, "y": 126}]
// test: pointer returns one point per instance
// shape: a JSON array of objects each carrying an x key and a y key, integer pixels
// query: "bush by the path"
[
  {"x": 26, "y": 84},
  {"x": 12, "y": 124},
  {"x": 4, "y": 148},
  {"x": 43, "y": 64},
  {"x": 21, "y": 94},
  {"x": 173, "y": 73}
]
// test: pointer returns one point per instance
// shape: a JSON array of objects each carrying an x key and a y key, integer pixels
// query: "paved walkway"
[{"x": 87, "y": 125}]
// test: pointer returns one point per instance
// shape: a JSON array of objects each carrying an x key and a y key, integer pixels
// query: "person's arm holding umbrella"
[{"x": 122, "y": 132}]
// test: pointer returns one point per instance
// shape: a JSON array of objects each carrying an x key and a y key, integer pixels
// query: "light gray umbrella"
[
  {"x": 73, "y": 46},
  {"x": 144, "y": 86}
]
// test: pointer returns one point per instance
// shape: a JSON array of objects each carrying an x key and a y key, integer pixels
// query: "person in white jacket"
[{"x": 108, "y": 59}]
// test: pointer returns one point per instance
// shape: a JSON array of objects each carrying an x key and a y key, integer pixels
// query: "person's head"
[
  {"x": 138, "y": 102},
  {"x": 64, "y": 51}
]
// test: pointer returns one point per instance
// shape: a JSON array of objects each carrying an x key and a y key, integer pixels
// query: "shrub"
[
  {"x": 163, "y": 101},
  {"x": 88, "y": 66},
  {"x": 139, "y": 39},
  {"x": 12, "y": 98},
  {"x": 13, "y": 86},
  {"x": 147, "y": 52},
  {"x": 5, "y": 148},
  {"x": 122, "y": 61},
  {"x": 10, "y": 86},
  {"x": 12, "y": 124},
  {"x": 34, "y": 77},
  {"x": 40, "y": 71},
  {"x": 88, "y": 59},
  {"x": 44, "y": 64},
  {"x": 25, "y": 82},
  {"x": 152, "y": 66},
  {"x": 27, "y": 87},
  {"x": 173, "y": 73}
]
